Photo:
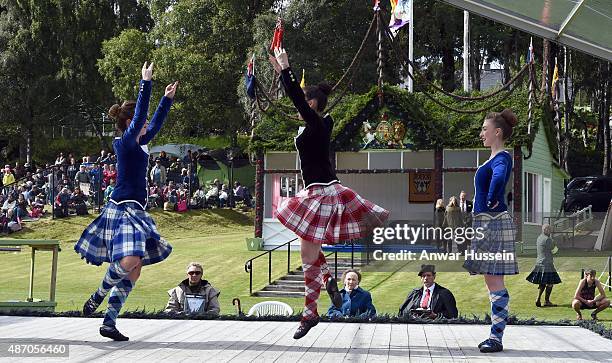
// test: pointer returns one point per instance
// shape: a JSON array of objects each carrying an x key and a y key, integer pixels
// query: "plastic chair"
[{"x": 270, "y": 308}]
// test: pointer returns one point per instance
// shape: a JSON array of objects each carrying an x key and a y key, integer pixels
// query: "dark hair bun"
[
  {"x": 114, "y": 111},
  {"x": 510, "y": 117},
  {"x": 325, "y": 88}
]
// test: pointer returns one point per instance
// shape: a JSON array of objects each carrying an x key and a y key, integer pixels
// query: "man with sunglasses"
[{"x": 200, "y": 295}]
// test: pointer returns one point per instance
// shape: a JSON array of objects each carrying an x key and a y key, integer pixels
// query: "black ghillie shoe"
[
  {"x": 112, "y": 333},
  {"x": 89, "y": 307},
  {"x": 490, "y": 346},
  {"x": 334, "y": 294},
  {"x": 304, "y": 327}
]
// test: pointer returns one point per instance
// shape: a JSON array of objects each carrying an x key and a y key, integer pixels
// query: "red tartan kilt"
[{"x": 330, "y": 214}]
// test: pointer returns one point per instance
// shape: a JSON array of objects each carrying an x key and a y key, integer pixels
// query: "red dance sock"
[
  {"x": 312, "y": 284},
  {"x": 324, "y": 267}
]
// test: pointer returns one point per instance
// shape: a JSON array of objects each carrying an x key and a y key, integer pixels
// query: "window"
[
  {"x": 533, "y": 198},
  {"x": 290, "y": 185},
  {"x": 598, "y": 186}
]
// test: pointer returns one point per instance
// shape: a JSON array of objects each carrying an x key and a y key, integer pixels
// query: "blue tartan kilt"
[
  {"x": 122, "y": 230},
  {"x": 499, "y": 237}
]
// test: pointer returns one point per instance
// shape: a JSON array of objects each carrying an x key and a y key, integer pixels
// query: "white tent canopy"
[
  {"x": 179, "y": 150},
  {"x": 585, "y": 25}
]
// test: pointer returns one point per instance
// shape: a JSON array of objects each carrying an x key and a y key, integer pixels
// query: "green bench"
[{"x": 31, "y": 303}]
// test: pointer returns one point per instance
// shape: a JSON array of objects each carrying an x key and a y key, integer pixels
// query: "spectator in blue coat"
[{"x": 356, "y": 302}]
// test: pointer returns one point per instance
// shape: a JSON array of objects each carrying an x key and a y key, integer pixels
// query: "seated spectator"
[
  {"x": 212, "y": 195},
  {"x": 169, "y": 192},
  {"x": 238, "y": 191},
  {"x": 356, "y": 301},
  {"x": 21, "y": 208},
  {"x": 585, "y": 296},
  {"x": 197, "y": 289},
  {"x": 8, "y": 208},
  {"x": 109, "y": 190},
  {"x": 431, "y": 300},
  {"x": 61, "y": 203},
  {"x": 223, "y": 196},
  {"x": 199, "y": 199},
  {"x": 38, "y": 206},
  {"x": 155, "y": 196},
  {"x": 78, "y": 202}
]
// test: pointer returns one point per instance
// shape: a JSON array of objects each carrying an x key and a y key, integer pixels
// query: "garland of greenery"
[
  {"x": 593, "y": 326},
  {"x": 429, "y": 124}
]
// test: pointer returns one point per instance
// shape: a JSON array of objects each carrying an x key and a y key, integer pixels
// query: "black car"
[{"x": 590, "y": 190}]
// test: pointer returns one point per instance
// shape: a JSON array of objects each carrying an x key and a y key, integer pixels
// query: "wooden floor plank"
[{"x": 259, "y": 341}]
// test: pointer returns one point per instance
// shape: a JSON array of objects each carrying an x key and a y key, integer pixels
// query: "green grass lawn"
[{"x": 217, "y": 239}]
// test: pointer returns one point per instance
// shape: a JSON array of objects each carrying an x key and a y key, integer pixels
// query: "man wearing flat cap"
[{"x": 430, "y": 300}]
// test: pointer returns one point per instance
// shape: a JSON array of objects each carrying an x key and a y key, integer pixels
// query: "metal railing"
[
  {"x": 566, "y": 226},
  {"x": 248, "y": 265}
]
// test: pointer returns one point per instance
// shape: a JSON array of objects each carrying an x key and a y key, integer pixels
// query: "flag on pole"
[
  {"x": 555, "y": 81},
  {"x": 399, "y": 14},
  {"x": 530, "y": 52},
  {"x": 303, "y": 81},
  {"x": 376, "y": 5},
  {"x": 277, "y": 38}
]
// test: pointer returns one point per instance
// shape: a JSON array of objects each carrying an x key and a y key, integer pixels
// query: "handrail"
[{"x": 248, "y": 265}]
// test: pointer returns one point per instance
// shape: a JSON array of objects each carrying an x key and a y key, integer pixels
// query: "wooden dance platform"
[{"x": 258, "y": 341}]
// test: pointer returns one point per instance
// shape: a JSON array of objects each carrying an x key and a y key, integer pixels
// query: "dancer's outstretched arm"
[
  {"x": 142, "y": 105},
  {"x": 281, "y": 64},
  {"x": 160, "y": 114}
]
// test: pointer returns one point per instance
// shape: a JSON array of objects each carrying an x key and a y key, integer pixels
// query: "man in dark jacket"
[{"x": 431, "y": 300}]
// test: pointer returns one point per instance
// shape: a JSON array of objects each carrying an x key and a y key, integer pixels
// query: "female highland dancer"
[
  {"x": 124, "y": 235},
  {"x": 492, "y": 218},
  {"x": 324, "y": 211}
]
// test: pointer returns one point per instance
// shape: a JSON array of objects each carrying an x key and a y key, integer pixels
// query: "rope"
[
  {"x": 352, "y": 70},
  {"x": 396, "y": 54},
  {"x": 439, "y": 89}
]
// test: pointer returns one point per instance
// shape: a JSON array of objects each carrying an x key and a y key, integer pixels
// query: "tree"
[{"x": 201, "y": 43}]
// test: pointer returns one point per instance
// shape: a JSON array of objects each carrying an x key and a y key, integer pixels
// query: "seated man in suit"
[{"x": 431, "y": 300}]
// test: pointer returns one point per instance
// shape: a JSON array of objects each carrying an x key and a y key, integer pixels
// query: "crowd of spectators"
[{"x": 75, "y": 185}]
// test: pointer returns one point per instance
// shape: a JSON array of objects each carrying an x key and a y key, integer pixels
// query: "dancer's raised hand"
[
  {"x": 281, "y": 58},
  {"x": 171, "y": 89},
  {"x": 147, "y": 72}
]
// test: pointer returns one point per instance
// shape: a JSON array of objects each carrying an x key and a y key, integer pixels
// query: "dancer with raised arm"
[
  {"x": 491, "y": 215},
  {"x": 124, "y": 235},
  {"x": 324, "y": 211}
]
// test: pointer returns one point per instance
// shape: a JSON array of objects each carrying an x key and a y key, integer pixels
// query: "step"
[
  {"x": 288, "y": 282},
  {"x": 283, "y": 288},
  {"x": 280, "y": 294}
]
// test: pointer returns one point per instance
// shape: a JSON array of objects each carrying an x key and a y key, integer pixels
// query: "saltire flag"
[
  {"x": 530, "y": 52},
  {"x": 277, "y": 39},
  {"x": 250, "y": 78},
  {"x": 555, "y": 82},
  {"x": 399, "y": 14},
  {"x": 303, "y": 81}
]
